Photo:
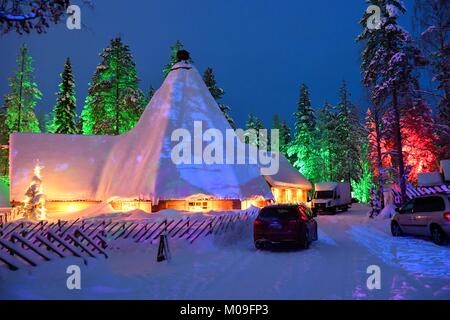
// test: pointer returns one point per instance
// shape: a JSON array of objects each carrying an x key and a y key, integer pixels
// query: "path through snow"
[{"x": 230, "y": 268}]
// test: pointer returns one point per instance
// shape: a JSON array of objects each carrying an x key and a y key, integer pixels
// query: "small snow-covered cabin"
[{"x": 288, "y": 185}]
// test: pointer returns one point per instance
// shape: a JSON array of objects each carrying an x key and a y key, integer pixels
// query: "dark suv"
[{"x": 284, "y": 224}]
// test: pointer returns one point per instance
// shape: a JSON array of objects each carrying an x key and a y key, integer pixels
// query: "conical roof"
[{"x": 138, "y": 163}]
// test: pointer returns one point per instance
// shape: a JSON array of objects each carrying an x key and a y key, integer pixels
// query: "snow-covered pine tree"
[
  {"x": 328, "y": 141},
  {"x": 173, "y": 57},
  {"x": 114, "y": 102},
  {"x": 79, "y": 124},
  {"x": 432, "y": 19},
  {"x": 418, "y": 133},
  {"x": 285, "y": 137},
  {"x": 256, "y": 124},
  {"x": 348, "y": 132},
  {"x": 21, "y": 101},
  {"x": 217, "y": 93},
  {"x": 388, "y": 62},
  {"x": 64, "y": 112},
  {"x": 303, "y": 148},
  {"x": 284, "y": 133}
]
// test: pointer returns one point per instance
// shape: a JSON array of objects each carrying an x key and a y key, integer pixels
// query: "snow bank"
[{"x": 387, "y": 213}]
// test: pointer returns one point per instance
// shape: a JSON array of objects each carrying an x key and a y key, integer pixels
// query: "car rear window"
[
  {"x": 429, "y": 204},
  {"x": 278, "y": 213}
]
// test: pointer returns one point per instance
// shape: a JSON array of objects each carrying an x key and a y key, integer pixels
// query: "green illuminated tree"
[
  {"x": 361, "y": 187},
  {"x": 22, "y": 99},
  {"x": 217, "y": 93},
  {"x": 64, "y": 112},
  {"x": 114, "y": 102},
  {"x": 303, "y": 150}
]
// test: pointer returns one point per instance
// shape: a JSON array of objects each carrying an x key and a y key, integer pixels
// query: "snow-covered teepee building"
[{"x": 135, "y": 169}]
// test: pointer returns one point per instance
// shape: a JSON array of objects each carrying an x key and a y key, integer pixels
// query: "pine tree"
[
  {"x": 374, "y": 129},
  {"x": 362, "y": 187},
  {"x": 388, "y": 61},
  {"x": 285, "y": 137},
  {"x": 114, "y": 102},
  {"x": 149, "y": 96},
  {"x": 329, "y": 142},
  {"x": 256, "y": 124},
  {"x": 65, "y": 109},
  {"x": 284, "y": 133},
  {"x": 432, "y": 17},
  {"x": 4, "y": 139},
  {"x": 303, "y": 148},
  {"x": 21, "y": 101},
  {"x": 173, "y": 57},
  {"x": 349, "y": 133},
  {"x": 217, "y": 93},
  {"x": 49, "y": 122}
]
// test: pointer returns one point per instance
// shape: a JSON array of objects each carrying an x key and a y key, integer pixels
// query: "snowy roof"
[
  {"x": 325, "y": 186},
  {"x": 427, "y": 179},
  {"x": 288, "y": 176},
  {"x": 137, "y": 163}
]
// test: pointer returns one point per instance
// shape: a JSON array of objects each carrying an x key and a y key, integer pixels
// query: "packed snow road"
[{"x": 335, "y": 267}]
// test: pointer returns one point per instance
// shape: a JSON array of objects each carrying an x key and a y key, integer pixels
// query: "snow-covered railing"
[
  {"x": 29, "y": 244},
  {"x": 413, "y": 192}
]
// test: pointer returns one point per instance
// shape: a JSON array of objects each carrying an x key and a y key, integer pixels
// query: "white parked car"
[{"x": 424, "y": 216}]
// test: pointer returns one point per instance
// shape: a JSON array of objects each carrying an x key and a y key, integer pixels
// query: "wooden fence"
[{"x": 25, "y": 243}]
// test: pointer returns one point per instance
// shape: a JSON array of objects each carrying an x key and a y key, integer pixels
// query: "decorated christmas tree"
[{"x": 34, "y": 203}]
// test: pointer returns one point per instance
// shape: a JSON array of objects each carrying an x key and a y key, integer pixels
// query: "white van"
[{"x": 331, "y": 196}]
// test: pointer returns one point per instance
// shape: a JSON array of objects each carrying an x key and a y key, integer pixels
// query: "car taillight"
[
  {"x": 447, "y": 216},
  {"x": 258, "y": 223}
]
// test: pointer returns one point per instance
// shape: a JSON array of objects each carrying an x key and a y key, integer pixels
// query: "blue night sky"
[{"x": 261, "y": 50}]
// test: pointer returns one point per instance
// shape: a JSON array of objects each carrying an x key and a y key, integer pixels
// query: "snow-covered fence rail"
[
  {"x": 412, "y": 192},
  {"x": 27, "y": 244}
]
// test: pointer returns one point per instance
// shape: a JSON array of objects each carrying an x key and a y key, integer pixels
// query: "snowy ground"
[{"x": 228, "y": 267}]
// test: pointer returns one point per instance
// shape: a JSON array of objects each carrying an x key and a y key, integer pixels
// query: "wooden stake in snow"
[{"x": 163, "y": 248}]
